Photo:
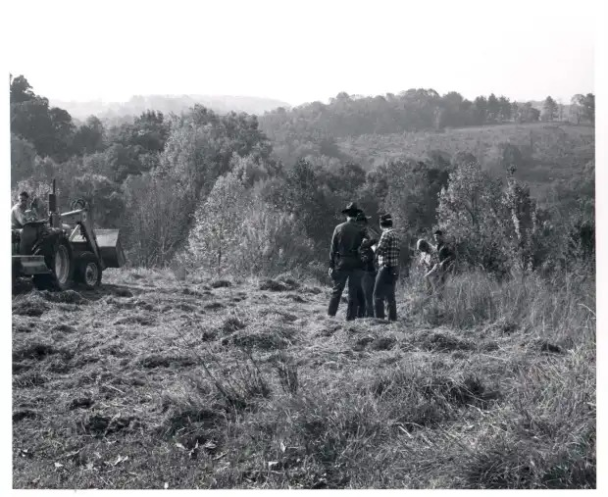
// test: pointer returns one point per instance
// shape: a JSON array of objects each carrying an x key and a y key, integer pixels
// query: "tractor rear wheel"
[
  {"x": 58, "y": 258},
  {"x": 88, "y": 271}
]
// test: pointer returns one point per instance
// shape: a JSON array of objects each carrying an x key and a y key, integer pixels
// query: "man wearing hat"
[
  {"x": 387, "y": 254},
  {"x": 344, "y": 262}
]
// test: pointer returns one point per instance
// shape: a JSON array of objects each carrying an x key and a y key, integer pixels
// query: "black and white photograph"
[{"x": 297, "y": 245}]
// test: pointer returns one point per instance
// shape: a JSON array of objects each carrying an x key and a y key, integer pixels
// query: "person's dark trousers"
[
  {"x": 361, "y": 303},
  {"x": 384, "y": 289},
  {"x": 368, "y": 280},
  {"x": 340, "y": 277}
]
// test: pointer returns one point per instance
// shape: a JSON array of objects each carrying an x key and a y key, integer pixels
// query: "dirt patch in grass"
[
  {"x": 100, "y": 425},
  {"x": 271, "y": 338},
  {"x": 141, "y": 319},
  {"x": 313, "y": 290},
  {"x": 502, "y": 327},
  {"x": 232, "y": 324},
  {"x": 117, "y": 291},
  {"x": 132, "y": 303},
  {"x": 279, "y": 285},
  {"x": 548, "y": 347},
  {"x": 443, "y": 342},
  {"x": 273, "y": 286},
  {"x": 294, "y": 297},
  {"x": 23, "y": 327},
  {"x": 192, "y": 293},
  {"x": 34, "y": 350},
  {"x": 214, "y": 306},
  {"x": 82, "y": 359},
  {"x": 220, "y": 284},
  {"x": 63, "y": 328},
  {"x": 263, "y": 340},
  {"x": 165, "y": 361},
  {"x": 185, "y": 307},
  {"x": 80, "y": 403},
  {"x": 33, "y": 308},
  {"x": 65, "y": 297},
  {"x": 21, "y": 414},
  {"x": 18, "y": 367},
  {"x": 180, "y": 420},
  {"x": 363, "y": 342},
  {"x": 115, "y": 350},
  {"x": 383, "y": 343}
]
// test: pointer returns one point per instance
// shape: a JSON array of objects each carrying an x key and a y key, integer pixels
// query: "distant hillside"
[
  {"x": 221, "y": 104},
  {"x": 550, "y": 152}
]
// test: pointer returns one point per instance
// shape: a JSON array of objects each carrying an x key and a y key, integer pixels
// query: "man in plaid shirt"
[{"x": 387, "y": 255}]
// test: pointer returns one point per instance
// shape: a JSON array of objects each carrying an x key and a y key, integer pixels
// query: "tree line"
[
  {"x": 208, "y": 190},
  {"x": 312, "y": 129}
]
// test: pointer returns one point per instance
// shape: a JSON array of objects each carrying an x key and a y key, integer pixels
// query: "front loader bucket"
[
  {"x": 29, "y": 265},
  {"x": 110, "y": 247}
]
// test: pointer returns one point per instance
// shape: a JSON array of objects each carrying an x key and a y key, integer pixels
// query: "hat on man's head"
[
  {"x": 437, "y": 232},
  {"x": 386, "y": 219},
  {"x": 351, "y": 208}
]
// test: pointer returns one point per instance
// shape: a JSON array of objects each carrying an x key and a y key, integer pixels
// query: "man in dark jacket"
[
  {"x": 368, "y": 278},
  {"x": 446, "y": 258},
  {"x": 344, "y": 262},
  {"x": 444, "y": 251}
]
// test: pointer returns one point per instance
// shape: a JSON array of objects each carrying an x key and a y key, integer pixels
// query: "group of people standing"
[{"x": 369, "y": 263}]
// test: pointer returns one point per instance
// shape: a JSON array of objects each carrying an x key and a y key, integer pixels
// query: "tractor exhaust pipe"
[{"x": 53, "y": 214}]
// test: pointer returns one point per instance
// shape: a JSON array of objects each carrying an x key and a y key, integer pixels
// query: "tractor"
[{"x": 64, "y": 250}]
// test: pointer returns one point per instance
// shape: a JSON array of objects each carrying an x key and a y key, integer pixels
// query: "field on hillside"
[
  {"x": 159, "y": 382},
  {"x": 551, "y": 151}
]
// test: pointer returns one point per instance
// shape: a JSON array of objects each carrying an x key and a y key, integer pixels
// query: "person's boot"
[
  {"x": 392, "y": 311},
  {"x": 379, "y": 309},
  {"x": 332, "y": 308}
]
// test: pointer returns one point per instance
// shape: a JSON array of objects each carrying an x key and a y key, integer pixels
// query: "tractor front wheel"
[{"x": 88, "y": 271}]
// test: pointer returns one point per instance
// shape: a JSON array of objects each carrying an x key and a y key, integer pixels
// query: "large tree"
[
  {"x": 584, "y": 107},
  {"x": 50, "y": 130},
  {"x": 550, "y": 109}
]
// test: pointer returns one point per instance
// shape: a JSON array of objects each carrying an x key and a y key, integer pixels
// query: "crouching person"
[
  {"x": 430, "y": 266},
  {"x": 387, "y": 255}
]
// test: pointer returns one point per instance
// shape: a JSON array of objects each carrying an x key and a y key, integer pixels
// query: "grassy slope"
[
  {"x": 552, "y": 151},
  {"x": 113, "y": 389}
]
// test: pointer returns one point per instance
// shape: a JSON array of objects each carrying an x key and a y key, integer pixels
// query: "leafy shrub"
[{"x": 237, "y": 232}]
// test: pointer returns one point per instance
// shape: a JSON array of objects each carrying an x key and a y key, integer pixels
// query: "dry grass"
[{"x": 251, "y": 385}]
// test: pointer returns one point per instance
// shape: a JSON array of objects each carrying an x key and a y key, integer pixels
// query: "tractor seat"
[{"x": 28, "y": 235}]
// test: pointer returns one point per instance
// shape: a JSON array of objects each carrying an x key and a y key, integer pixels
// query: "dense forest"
[{"x": 237, "y": 193}]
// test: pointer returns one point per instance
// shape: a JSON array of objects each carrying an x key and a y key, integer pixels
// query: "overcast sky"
[{"x": 304, "y": 50}]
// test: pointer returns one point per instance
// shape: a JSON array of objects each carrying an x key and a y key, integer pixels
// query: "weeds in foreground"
[{"x": 503, "y": 399}]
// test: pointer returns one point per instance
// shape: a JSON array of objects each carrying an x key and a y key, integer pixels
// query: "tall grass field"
[{"x": 167, "y": 379}]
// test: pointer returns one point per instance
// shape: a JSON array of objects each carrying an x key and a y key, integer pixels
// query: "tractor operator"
[{"x": 18, "y": 217}]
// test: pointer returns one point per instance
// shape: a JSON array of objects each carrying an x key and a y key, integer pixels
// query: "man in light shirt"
[{"x": 18, "y": 218}]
